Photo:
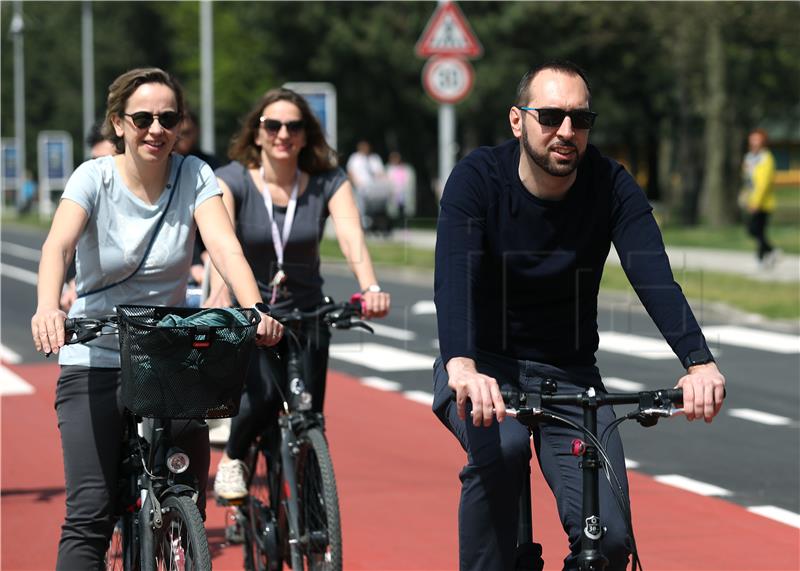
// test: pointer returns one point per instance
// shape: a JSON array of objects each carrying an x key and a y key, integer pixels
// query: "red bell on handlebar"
[
  {"x": 578, "y": 447},
  {"x": 357, "y": 298}
]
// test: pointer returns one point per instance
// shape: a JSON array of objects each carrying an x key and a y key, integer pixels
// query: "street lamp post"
[
  {"x": 17, "y": 27},
  {"x": 87, "y": 60}
]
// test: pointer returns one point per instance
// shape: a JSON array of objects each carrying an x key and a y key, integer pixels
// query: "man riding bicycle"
[{"x": 523, "y": 235}]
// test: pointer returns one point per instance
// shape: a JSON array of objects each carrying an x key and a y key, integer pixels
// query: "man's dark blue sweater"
[{"x": 519, "y": 276}]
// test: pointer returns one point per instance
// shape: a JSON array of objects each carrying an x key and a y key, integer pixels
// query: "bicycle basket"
[{"x": 182, "y": 371}]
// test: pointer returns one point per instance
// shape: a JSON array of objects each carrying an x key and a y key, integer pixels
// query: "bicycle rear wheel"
[
  {"x": 260, "y": 538},
  {"x": 181, "y": 543},
  {"x": 319, "y": 503}
]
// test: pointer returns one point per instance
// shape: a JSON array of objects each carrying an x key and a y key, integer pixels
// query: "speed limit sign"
[{"x": 447, "y": 79}]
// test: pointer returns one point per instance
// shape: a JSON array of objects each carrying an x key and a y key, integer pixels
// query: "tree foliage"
[{"x": 677, "y": 85}]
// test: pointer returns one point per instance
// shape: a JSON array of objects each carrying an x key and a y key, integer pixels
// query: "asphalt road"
[{"x": 750, "y": 455}]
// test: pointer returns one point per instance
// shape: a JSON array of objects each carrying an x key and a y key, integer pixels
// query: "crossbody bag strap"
[{"x": 152, "y": 238}]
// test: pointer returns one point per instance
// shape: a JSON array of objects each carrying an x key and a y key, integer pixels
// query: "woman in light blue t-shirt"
[{"x": 108, "y": 216}]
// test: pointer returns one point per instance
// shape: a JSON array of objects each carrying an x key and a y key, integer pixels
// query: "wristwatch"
[
  {"x": 374, "y": 288},
  {"x": 698, "y": 357},
  {"x": 262, "y": 308}
]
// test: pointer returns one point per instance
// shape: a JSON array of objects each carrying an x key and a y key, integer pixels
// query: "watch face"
[{"x": 262, "y": 307}]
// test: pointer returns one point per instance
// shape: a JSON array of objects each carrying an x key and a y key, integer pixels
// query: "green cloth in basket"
[{"x": 213, "y": 317}]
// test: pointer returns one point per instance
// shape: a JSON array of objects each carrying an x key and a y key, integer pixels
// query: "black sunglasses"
[
  {"x": 143, "y": 119},
  {"x": 273, "y": 126},
  {"x": 554, "y": 117}
]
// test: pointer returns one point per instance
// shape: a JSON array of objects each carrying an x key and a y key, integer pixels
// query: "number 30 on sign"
[{"x": 447, "y": 79}]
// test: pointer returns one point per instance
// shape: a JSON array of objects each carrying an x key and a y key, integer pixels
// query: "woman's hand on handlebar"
[
  {"x": 482, "y": 390},
  {"x": 47, "y": 329},
  {"x": 375, "y": 304},
  {"x": 703, "y": 391},
  {"x": 269, "y": 331}
]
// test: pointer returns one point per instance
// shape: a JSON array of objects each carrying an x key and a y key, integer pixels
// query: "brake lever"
[{"x": 362, "y": 325}]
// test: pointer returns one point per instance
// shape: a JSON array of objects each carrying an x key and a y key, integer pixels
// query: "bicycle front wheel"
[
  {"x": 319, "y": 503},
  {"x": 123, "y": 552},
  {"x": 181, "y": 543}
]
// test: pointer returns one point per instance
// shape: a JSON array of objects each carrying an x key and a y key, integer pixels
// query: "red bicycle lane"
[{"x": 397, "y": 473}]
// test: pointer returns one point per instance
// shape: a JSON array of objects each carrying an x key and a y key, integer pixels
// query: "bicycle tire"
[
  {"x": 181, "y": 542},
  {"x": 319, "y": 503},
  {"x": 260, "y": 542}
]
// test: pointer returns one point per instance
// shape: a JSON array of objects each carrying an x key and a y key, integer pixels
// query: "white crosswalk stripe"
[
  {"x": 392, "y": 332},
  {"x": 635, "y": 345},
  {"x": 22, "y": 252},
  {"x": 617, "y": 384},
  {"x": 421, "y": 397},
  {"x": 8, "y": 355},
  {"x": 381, "y": 384},
  {"x": 777, "y": 514},
  {"x": 425, "y": 307},
  {"x": 691, "y": 485},
  {"x": 19, "y": 274},
  {"x": 759, "y": 416},
  {"x": 752, "y": 338},
  {"x": 12, "y": 384},
  {"x": 381, "y": 357}
]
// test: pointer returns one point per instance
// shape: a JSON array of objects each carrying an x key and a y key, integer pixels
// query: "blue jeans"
[{"x": 492, "y": 479}]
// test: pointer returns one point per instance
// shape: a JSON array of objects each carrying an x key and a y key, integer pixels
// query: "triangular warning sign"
[{"x": 448, "y": 34}]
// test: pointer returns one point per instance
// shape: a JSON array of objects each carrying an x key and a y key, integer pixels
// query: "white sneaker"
[{"x": 231, "y": 480}]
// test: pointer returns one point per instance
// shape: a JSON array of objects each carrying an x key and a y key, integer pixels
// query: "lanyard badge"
[{"x": 279, "y": 239}]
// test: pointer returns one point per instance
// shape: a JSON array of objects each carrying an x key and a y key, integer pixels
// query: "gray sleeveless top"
[{"x": 303, "y": 286}]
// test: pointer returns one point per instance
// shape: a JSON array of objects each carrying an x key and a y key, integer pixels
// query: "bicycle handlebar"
[
  {"x": 656, "y": 398},
  {"x": 343, "y": 315}
]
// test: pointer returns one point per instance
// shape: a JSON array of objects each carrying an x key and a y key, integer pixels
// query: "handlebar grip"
[
  {"x": 358, "y": 299},
  {"x": 673, "y": 395},
  {"x": 69, "y": 324}
]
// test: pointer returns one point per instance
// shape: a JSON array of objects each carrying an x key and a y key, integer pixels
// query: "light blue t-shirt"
[{"x": 114, "y": 241}]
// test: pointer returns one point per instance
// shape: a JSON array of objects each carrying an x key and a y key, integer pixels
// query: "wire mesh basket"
[{"x": 183, "y": 371}]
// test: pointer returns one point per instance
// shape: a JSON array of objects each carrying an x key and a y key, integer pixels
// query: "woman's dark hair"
[
  {"x": 316, "y": 157},
  {"x": 123, "y": 87},
  {"x": 563, "y": 66}
]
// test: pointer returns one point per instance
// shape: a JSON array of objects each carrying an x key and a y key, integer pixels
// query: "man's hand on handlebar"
[
  {"x": 481, "y": 389},
  {"x": 703, "y": 391},
  {"x": 47, "y": 328}
]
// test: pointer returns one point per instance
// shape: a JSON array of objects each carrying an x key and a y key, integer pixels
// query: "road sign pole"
[
  {"x": 17, "y": 30},
  {"x": 207, "y": 141},
  {"x": 87, "y": 64},
  {"x": 447, "y": 142}
]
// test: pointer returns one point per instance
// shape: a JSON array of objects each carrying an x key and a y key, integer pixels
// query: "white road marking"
[
  {"x": 21, "y": 251},
  {"x": 425, "y": 307},
  {"x": 381, "y": 384},
  {"x": 617, "y": 384},
  {"x": 9, "y": 355},
  {"x": 19, "y": 274},
  {"x": 752, "y": 338},
  {"x": 778, "y": 514},
  {"x": 12, "y": 384},
  {"x": 392, "y": 332},
  {"x": 759, "y": 416},
  {"x": 421, "y": 397},
  {"x": 381, "y": 357},
  {"x": 690, "y": 485},
  {"x": 631, "y": 464},
  {"x": 635, "y": 345}
]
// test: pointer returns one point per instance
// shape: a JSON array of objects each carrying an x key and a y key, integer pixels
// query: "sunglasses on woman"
[
  {"x": 554, "y": 117},
  {"x": 273, "y": 126},
  {"x": 143, "y": 119}
]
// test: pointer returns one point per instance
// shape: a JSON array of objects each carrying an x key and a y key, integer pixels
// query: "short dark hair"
[
  {"x": 316, "y": 157},
  {"x": 123, "y": 87},
  {"x": 561, "y": 65},
  {"x": 95, "y": 134}
]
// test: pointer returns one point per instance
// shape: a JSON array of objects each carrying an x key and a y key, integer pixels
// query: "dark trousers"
[
  {"x": 261, "y": 400},
  {"x": 492, "y": 479},
  {"x": 90, "y": 419},
  {"x": 757, "y": 228}
]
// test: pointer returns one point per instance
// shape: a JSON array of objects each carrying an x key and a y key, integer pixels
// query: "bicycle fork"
[
  {"x": 591, "y": 557},
  {"x": 289, "y": 450}
]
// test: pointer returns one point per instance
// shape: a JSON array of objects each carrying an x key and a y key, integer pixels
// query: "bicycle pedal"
[{"x": 234, "y": 534}]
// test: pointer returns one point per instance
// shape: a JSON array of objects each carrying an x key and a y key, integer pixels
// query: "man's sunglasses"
[
  {"x": 554, "y": 117},
  {"x": 143, "y": 119},
  {"x": 273, "y": 126}
]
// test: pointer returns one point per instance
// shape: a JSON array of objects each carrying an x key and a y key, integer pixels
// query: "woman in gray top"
[
  {"x": 109, "y": 217},
  {"x": 280, "y": 188}
]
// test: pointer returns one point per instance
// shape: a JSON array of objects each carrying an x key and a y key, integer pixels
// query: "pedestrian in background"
[
  {"x": 758, "y": 171},
  {"x": 404, "y": 186},
  {"x": 372, "y": 188}
]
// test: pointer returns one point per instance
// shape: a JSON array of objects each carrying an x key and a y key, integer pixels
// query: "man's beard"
[{"x": 547, "y": 162}]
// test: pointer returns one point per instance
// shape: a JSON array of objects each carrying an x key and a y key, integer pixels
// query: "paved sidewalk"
[{"x": 723, "y": 261}]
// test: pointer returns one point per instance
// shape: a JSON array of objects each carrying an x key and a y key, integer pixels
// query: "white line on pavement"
[
  {"x": 421, "y": 397},
  {"x": 425, "y": 307},
  {"x": 12, "y": 384},
  {"x": 9, "y": 355},
  {"x": 631, "y": 464},
  {"x": 759, "y": 416},
  {"x": 381, "y": 384},
  {"x": 635, "y": 345},
  {"x": 392, "y": 332},
  {"x": 690, "y": 485},
  {"x": 618, "y": 384},
  {"x": 777, "y": 514},
  {"x": 19, "y": 274},
  {"x": 381, "y": 357},
  {"x": 752, "y": 338},
  {"x": 21, "y": 251}
]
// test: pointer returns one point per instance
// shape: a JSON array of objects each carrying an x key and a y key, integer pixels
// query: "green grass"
[
  {"x": 775, "y": 300},
  {"x": 383, "y": 254},
  {"x": 784, "y": 236}
]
